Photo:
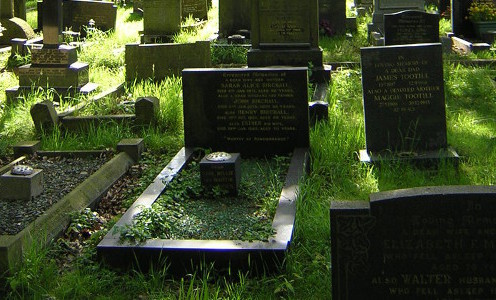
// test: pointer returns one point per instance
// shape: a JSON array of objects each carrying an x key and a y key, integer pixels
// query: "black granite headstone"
[
  {"x": 420, "y": 243},
  {"x": 403, "y": 98},
  {"x": 411, "y": 27},
  {"x": 221, "y": 169},
  {"x": 253, "y": 111}
]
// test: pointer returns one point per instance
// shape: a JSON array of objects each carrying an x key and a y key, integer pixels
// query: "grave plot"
[
  {"x": 52, "y": 64},
  {"x": 250, "y": 116},
  {"x": 40, "y": 190}
]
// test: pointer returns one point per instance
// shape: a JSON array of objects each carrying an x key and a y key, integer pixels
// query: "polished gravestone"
[
  {"x": 403, "y": 99},
  {"x": 460, "y": 23},
  {"x": 382, "y": 7},
  {"x": 254, "y": 111},
  {"x": 13, "y": 22},
  {"x": 419, "y": 243},
  {"x": 411, "y": 27},
  {"x": 53, "y": 65},
  {"x": 78, "y": 13},
  {"x": 285, "y": 33}
]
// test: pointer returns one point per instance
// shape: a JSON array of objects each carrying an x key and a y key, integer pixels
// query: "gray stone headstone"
[
  {"x": 234, "y": 15},
  {"x": 254, "y": 111},
  {"x": 157, "y": 61},
  {"x": 161, "y": 17},
  {"x": 420, "y": 243},
  {"x": 52, "y": 23},
  {"x": 196, "y": 8},
  {"x": 285, "y": 33},
  {"x": 403, "y": 98},
  {"x": 411, "y": 27},
  {"x": 44, "y": 115}
]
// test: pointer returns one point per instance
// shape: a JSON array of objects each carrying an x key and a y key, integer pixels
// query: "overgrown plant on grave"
[{"x": 256, "y": 112}]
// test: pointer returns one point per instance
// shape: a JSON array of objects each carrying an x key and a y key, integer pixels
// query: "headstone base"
[
  {"x": 14, "y": 94},
  {"x": 75, "y": 75},
  {"x": 21, "y": 187},
  {"x": 284, "y": 57},
  {"x": 424, "y": 158}
]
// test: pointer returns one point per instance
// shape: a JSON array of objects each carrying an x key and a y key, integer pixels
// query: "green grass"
[{"x": 336, "y": 172}]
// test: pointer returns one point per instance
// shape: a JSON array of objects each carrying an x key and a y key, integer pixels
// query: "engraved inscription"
[
  {"x": 50, "y": 56},
  {"x": 403, "y": 85},
  {"x": 284, "y": 21},
  {"x": 251, "y": 104}
]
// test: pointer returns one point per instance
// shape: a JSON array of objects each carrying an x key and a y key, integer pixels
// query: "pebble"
[{"x": 60, "y": 176}]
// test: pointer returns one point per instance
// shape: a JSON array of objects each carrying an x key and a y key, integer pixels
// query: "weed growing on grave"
[
  {"x": 232, "y": 55},
  {"x": 188, "y": 211}
]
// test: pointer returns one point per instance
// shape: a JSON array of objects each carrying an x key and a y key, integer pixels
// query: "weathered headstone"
[
  {"x": 78, "y": 13},
  {"x": 382, "y": 7},
  {"x": 53, "y": 65},
  {"x": 13, "y": 22},
  {"x": 420, "y": 243},
  {"x": 332, "y": 14},
  {"x": 254, "y": 111},
  {"x": 158, "y": 61},
  {"x": 411, "y": 27},
  {"x": 234, "y": 15},
  {"x": 161, "y": 20},
  {"x": 403, "y": 98},
  {"x": 195, "y": 8},
  {"x": 285, "y": 32}
]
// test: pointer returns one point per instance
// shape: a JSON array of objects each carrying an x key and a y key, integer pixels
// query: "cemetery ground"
[{"x": 69, "y": 268}]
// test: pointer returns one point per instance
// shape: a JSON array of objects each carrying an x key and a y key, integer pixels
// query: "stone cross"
[{"x": 52, "y": 23}]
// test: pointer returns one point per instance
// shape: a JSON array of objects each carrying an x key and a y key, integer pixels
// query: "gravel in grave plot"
[
  {"x": 186, "y": 210},
  {"x": 60, "y": 176}
]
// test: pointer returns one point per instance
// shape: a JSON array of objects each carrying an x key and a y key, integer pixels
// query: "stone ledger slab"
[{"x": 419, "y": 243}]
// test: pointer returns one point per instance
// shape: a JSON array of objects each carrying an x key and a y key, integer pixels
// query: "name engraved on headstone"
[
  {"x": 284, "y": 21},
  {"x": 196, "y": 8},
  {"x": 264, "y": 110},
  {"x": 403, "y": 92},
  {"x": 49, "y": 56},
  {"x": 424, "y": 243},
  {"x": 251, "y": 102},
  {"x": 50, "y": 72},
  {"x": 411, "y": 27}
]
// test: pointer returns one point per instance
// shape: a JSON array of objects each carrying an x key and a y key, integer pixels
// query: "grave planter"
[{"x": 184, "y": 254}]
